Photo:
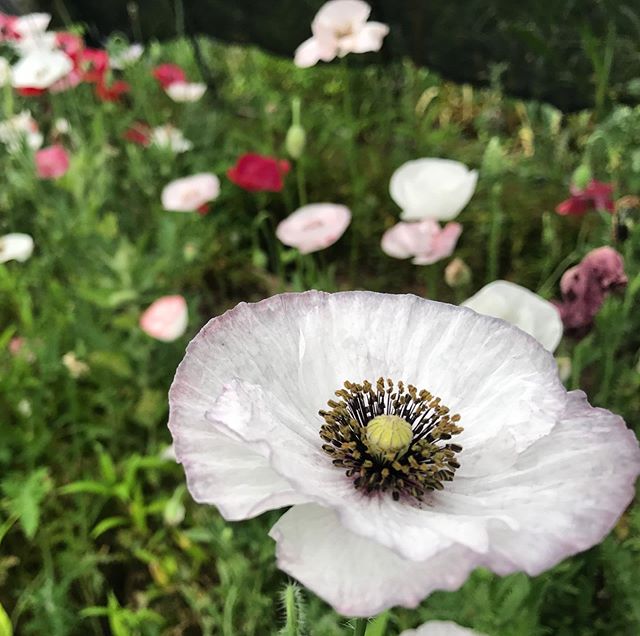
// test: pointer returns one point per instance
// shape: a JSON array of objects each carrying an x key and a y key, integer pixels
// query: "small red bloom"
[
  {"x": 168, "y": 74},
  {"x": 596, "y": 196},
  {"x": 27, "y": 91},
  {"x": 257, "y": 173},
  {"x": 113, "y": 92},
  {"x": 138, "y": 133},
  {"x": 94, "y": 63}
]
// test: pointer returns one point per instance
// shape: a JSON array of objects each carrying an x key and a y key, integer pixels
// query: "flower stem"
[
  {"x": 360, "y": 627},
  {"x": 494, "y": 233}
]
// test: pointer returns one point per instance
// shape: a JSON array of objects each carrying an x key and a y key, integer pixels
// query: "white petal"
[
  {"x": 440, "y": 628},
  {"x": 186, "y": 91},
  {"x": 40, "y": 69},
  {"x": 311, "y": 51},
  {"x": 358, "y": 577},
  {"x": 522, "y": 308},
  {"x": 366, "y": 39},
  {"x": 341, "y": 15},
  {"x": 15, "y": 247}
]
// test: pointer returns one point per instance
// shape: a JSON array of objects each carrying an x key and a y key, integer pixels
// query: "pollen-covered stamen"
[{"x": 390, "y": 438}]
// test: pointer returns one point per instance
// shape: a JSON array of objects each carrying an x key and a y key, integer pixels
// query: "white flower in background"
[
  {"x": 393, "y": 494},
  {"x": 522, "y": 308},
  {"x": 61, "y": 126},
  {"x": 15, "y": 247},
  {"x": 18, "y": 128},
  {"x": 186, "y": 91},
  {"x": 189, "y": 194},
  {"x": 45, "y": 42},
  {"x": 340, "y": 27},
  {"x": 432, "y": 188},
  {"x": 76, "y": 367},
  {"x": 126, "y": 57},
  {"x": 5, "y": 72},
  {"x": 40, "y": 68},
  {"x": 171, "y": 138},
  {"x": 440, "y": 628},
  {"x": 166, "y": 319},
  {"x": 31, "y": 25}
]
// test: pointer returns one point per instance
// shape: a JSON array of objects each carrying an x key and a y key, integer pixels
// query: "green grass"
[{"x": 97, "y": 532}]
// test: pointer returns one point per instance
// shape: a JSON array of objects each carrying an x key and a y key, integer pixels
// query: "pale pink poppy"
[
  {"x": 425, "y": 241},
  {"x": 190, "y": 193},
  {"x": 166, "y": 318},
  {"x": 52, "y": 162},
  {"x": 340, "y": 27},
  {"x": 314, "y": 227}
]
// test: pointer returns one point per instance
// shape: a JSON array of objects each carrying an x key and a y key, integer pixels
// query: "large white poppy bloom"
[
  {"x": 440, "y": 628},
  {"x": 40, "y": 68},
  {"x": 432, "y": 188},
  {"x": 340, "y": 27},
  {"x": 522, "y": 308},
  {"x": 513, "y": 474}
]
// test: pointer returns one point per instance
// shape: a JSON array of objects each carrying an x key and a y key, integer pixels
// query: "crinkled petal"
[
  {"x": 356, "y": 576},
  {"x": 312, "y": 51},
  {"x": 367, "y": 39}
]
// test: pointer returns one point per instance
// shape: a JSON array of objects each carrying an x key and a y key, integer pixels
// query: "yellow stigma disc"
[{"x": 389, "y": 435}]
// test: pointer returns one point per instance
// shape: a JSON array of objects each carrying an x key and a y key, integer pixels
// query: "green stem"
[
  {"x": 494, "y": 233},
  {"x": 302, "y": 182},
  {"x": 360, "y": 627}
]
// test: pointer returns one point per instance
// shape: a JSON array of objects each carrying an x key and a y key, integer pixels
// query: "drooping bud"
[
  {"x": 581, "y": 177},
  {"x": 296, "y": 136}
]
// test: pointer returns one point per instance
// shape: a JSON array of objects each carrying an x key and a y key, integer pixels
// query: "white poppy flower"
[
  {"x": 31, "y": 25},
  {"x": 186, "y": 91},
  {"x": 340, "y": 27},
  {"x": 522, "y": 308},
  {"x": 19, "y": 127},
  {"x": 432, "y": 188},
  {"x": 394, "y": 497},
  {"x": 39, "y": 41},
  {"x": 123, "y": 59},
  {"x": 40, "y": 68},
  {"x": 15, "y": 247},
  {"x": 170, "y": 137},
  {"x": 440, "y": 628}
]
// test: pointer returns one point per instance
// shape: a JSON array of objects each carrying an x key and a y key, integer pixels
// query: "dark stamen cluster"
[{"x": 429, "y": 460}]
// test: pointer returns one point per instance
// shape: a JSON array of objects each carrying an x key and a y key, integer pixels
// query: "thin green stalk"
[
  {"x": 495, "y": 232},
  {"x": 360, "y": 627}
]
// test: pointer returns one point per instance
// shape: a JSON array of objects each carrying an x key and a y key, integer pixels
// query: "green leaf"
[
  {"x": 25, "y": 496},
  {"x": 5, "y": 623}
]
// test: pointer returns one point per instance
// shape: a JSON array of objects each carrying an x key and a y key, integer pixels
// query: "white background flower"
[
  {"x": 18, "y": 128},
  {"x": 126, "y": 57},
  {"x": 15, "y": 247},
  {"x": 40, "y": 68},
  {"x": 190, "y": 193},
  {"x": 314, "y": 227},
  {"x": 542, "y": 474},
  {"x": 432, "y": 188},
  {"x": 522, "y": 308},
  {"x": 170, "y": 137},
  {"x": 186, "y": 91}
]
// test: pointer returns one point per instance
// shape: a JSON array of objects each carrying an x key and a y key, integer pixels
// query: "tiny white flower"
[
  {"x": 61, "y": 126},
  {"x": 412, "y": 442},
  {"x": 40, "y": 68},
  {"x": 44, "y": 42},
  {"x": 440, "y": 628},
  {"x": 76, "y": 367},
  {"x": 18, "y": 128},
  {"x": 522, "y": 308},
  {"x": 24, "y": 408},
  {"x": 432, "y": 188},
  {"x": 15, "y": 247},
  {"x": 186, "y": 91},
  {"x": 171, "y": 138},
  {"x": 123, "y": 59}
]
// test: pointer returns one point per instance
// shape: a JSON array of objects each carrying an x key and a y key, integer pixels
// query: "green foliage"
[{"x": 97, "y": 532}]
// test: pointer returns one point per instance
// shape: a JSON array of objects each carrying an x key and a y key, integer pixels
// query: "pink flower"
[
  {"x": 94, "y": 63},
  {"x": 596, "y": 196},
  {"x": 585, "y": 287},
  {"x": 258, "y": 173},
  {"x": 340, "y": 27},
  {"x": 166, "y": 318},
  {"x": 425, "y": 241},
  {"x": 314, "y": 227},
  {"x": 70, "y": 43},
  {"x": 168, "y": 74},
  {"x": 52, "y": 162},
  {"x": 190, "y": 194}
]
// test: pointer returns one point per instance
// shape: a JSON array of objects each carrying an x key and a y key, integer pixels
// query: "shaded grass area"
[{"x": 97, "y": 532}]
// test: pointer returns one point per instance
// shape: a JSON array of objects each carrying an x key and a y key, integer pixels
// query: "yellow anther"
[{"x": 389, "y": 436}]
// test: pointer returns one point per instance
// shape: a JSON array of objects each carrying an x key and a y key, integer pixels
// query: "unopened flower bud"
[
  {"x": 581, "y": 177},
  {"x": 457, "y": 273},
  {"x": 295, "y": 141}
]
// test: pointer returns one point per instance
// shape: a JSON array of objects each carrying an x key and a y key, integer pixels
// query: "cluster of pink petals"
[
  {"x": 424, "y": 241},
  {"x": 340, "y": 27},
  {"x": 314, "y": 227},
  {"x": 166, "y": 318},
  {"x": 585, "y": 286},
  {"x": 52, "y": 162},
  {"x": 596, "y": 196}
]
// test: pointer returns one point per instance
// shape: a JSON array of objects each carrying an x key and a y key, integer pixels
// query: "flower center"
[{"x": 391, "y": 438}]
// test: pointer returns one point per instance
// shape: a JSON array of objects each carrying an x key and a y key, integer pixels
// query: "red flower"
[
  {"x": 138, "y": 133},
  {"x": 257, "y": 173},
  {"x": 111, "y": 93},
  {"x": 596, "y": 196},
  {"x": 27, "y": 91},
  {"x": 585, "y": 286},
  {"x": 94, "y": 64},
  {"x": 168, "y": 74}
]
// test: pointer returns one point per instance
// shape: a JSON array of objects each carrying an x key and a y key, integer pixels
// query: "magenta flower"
[
  {"x": 585, "y": 286},
  {"x": 52, "y": 162},
  {"x": 425, "y": 241},
  {"x": 596, "y": 196}
]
